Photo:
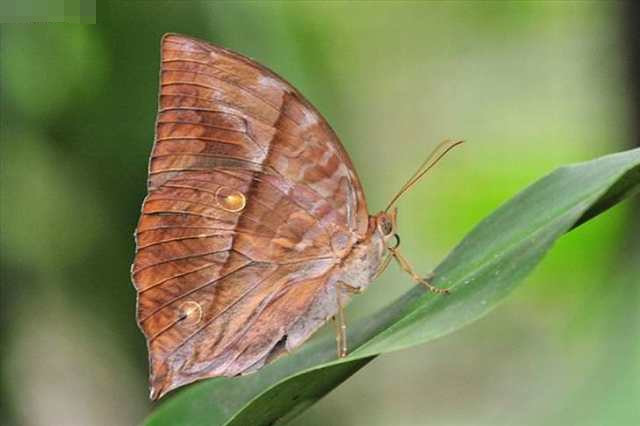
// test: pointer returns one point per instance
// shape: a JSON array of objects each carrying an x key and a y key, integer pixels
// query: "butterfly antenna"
[{"x": 432, "y": 160}]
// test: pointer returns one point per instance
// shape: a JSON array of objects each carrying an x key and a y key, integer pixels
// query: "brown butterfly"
[{"x": 255, "y": 229}]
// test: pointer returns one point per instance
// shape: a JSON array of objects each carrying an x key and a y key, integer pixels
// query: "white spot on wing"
[
  {"x": 310, "y": 118},
  {"x": 267, "y": 81},
  {"x": 328, "y": 154}
]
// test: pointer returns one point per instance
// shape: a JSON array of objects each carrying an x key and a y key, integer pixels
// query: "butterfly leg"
[
  {"x": 425, "y": 281},
  {"x": 339, "y": 318},
  {"x": 383, "y": 266}
]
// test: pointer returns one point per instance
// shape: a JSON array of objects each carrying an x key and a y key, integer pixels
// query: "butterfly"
[{"x": 255, "y": 229}]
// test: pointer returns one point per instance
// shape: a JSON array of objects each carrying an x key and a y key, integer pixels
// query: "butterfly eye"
[
  {"x": 230, "y": 199},
  {"x": 386, "y": 227}
]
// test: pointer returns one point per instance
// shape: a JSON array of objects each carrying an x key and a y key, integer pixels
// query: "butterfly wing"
[{"x": 252, "y": 202}]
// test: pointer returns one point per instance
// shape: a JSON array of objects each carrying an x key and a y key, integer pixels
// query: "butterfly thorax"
[{"x": 361, "y": 265}]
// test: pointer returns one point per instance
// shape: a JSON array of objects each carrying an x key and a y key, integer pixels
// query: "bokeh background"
[{"x": 529, "y": 85}]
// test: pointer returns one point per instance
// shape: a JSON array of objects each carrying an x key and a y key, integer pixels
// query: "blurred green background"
[{"x": 529, "y": 85}]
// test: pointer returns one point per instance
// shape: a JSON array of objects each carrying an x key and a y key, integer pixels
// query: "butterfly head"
[{"x": 386, "y": 226}]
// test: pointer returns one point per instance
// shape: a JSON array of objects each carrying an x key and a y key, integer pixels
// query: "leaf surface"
[{"x": 481, "y": 271}]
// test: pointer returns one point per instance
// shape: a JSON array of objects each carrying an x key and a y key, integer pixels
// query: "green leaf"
[{"x": 484, "y": 268}]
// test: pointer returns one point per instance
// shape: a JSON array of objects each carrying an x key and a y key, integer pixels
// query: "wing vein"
[
  {"x": 210, "y": 320},
  {"x": 177, "y": 258},
  {"x": 193, "y": 290}
]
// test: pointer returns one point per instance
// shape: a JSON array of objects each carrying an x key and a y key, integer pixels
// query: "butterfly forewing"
[{"x": 252, "y": 203}]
